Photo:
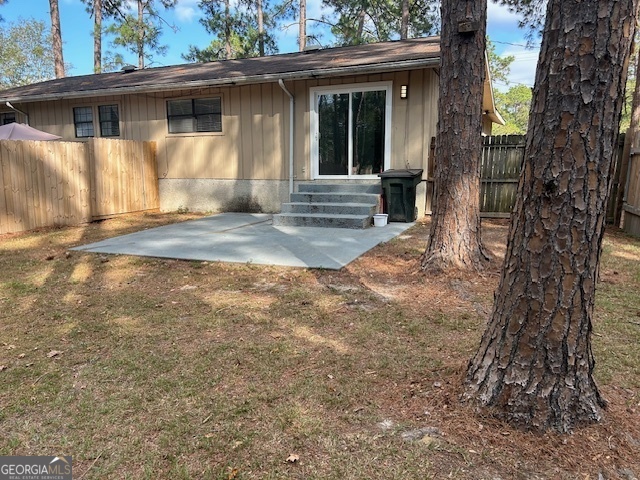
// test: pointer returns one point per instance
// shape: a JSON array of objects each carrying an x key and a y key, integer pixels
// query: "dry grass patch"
[{"x": 149, "y": 368}]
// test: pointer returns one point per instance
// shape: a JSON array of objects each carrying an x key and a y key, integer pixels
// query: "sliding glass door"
[{"x": 350, "y": 130}]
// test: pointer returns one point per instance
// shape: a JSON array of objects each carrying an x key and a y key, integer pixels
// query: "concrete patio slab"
[{"x": 250, "y": 238}]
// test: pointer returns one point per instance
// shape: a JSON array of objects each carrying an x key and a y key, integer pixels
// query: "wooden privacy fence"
[
  {"x": 67, "y": 183},
  {"x": 631, "y": 207},
  {"x": 500, "y": 167}
]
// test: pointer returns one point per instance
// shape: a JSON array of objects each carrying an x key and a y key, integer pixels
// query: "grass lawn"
[{"x": 162, "y": 369}]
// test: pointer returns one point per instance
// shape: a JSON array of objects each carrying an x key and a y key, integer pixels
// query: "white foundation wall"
[{"x": 213, "y": 195}]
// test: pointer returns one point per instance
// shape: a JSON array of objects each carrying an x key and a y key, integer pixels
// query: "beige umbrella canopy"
[{"x": 20, "y": 131}]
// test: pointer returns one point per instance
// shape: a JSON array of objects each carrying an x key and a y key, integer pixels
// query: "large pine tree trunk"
[
  {"x": 455, "y": 241},
  {"x": 57, "y": 39},
  {"x": 535, "y": 365}
]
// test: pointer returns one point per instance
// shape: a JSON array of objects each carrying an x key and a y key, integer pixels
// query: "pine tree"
[
  {"x": 454, "y": 241},
  {"x": 535, "y": 364},
  {"x": 56, "y": 36},
  {"x": 140, "y": 33}
]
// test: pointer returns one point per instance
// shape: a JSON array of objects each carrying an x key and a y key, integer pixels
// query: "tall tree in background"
[
  {"x": 260, "y": 18},
  {"x": 140, "y": 33},
  {"x": 302, "y": 23},
  {"x": 100, "y": 10},
  {"x": 404, "y": 19},
  {"x": 56, "y": 36},
  {"x": 241, "y": 30},
  {"x": 97, "y": 36},
  {"x": 513, "y": 105},
  {"x": 499, "y": 65},
  {"x": 366, "y": 21},
  {"x": 534, "y": 366},
  {"x": 454, "y": 241},
  {"x": 26, "y": 55},
  {"x": 227, "y": 26},
  {"x": 261, "y": 32},
  {"x": 296, "y": 9}
]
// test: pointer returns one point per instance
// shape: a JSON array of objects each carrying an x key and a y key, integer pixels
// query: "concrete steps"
[{"x": 339, "y": 205}]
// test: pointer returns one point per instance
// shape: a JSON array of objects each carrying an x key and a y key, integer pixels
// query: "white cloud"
[
  {"x": 185, "y": 13},
  {"x": 523, "y": 69},
  {"x": 499, "y": 16},
  {"x": 315, "y": 9},
  {"x": 508, "y": 38}
]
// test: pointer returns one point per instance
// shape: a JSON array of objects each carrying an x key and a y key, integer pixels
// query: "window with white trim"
[{"x": 194, "y": 115}]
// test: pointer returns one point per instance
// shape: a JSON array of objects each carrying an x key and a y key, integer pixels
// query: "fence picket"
[
  {"x": 66, "y": 183},
  {"x": 631, "y": 207},
  {"x": 501, "y": 163}
]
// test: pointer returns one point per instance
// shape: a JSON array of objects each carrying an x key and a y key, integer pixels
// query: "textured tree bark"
[
  {"x": 455, "y": 241},
  {"x": 56, "y": 35},
  {"x": 534, "y": 366}
]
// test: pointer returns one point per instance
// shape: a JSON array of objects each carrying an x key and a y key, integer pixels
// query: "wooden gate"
[{"x": 500, "y": 167}]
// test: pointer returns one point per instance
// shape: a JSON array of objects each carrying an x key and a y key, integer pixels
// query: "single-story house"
[{"x": 233, "y": 131}]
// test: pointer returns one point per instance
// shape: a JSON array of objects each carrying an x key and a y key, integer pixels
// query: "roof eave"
[
  {"x": 488, "y": 100},
  {"x": 241, "y": 80},
  {"x": 496, "y": 118}
]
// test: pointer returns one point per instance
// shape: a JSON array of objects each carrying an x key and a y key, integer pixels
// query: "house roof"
[{"x": 368, "y": 58}]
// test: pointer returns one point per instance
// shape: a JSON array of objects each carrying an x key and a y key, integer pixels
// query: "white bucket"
[{"x": 380, "y": 219}]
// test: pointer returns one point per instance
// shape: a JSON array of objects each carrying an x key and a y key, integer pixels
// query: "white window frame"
[{"x": 314, "y": 92}]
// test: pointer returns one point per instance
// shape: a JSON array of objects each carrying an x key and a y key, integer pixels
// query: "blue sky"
[{"x": 76, "y": 28}]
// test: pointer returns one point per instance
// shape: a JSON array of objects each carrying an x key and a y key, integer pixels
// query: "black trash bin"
[{"x": 399, "y": 193}]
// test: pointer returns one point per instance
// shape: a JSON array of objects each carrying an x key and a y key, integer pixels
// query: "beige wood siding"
[
  {"x": 413, "y": 121},
  {"x": 254, "y": 141}
]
